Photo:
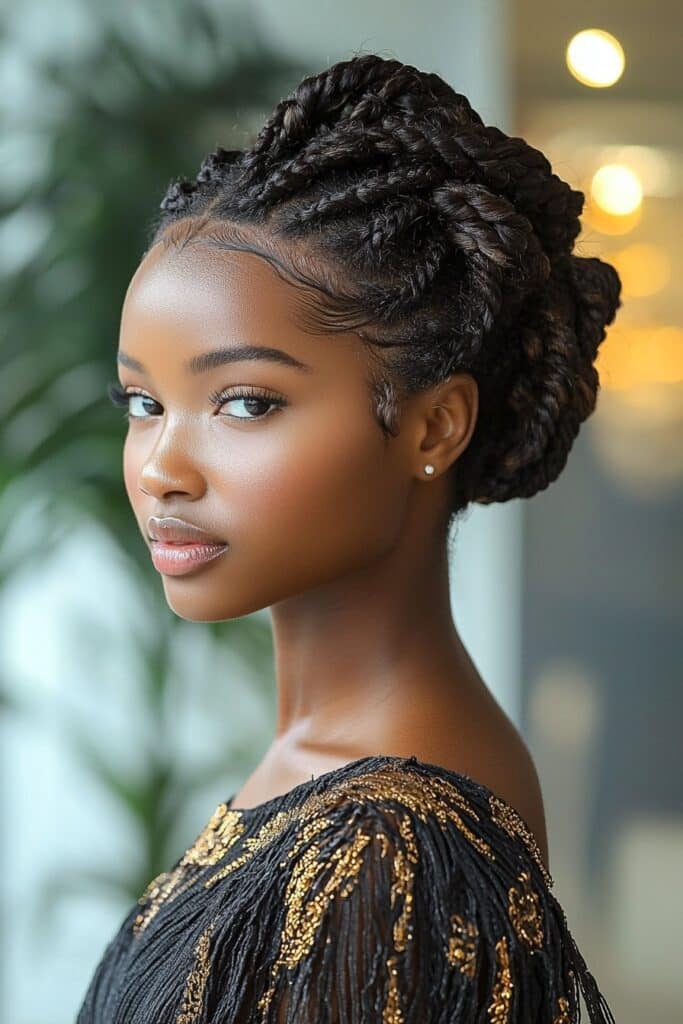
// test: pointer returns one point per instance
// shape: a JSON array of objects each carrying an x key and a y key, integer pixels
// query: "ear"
[{"x": 448, "y": 416}]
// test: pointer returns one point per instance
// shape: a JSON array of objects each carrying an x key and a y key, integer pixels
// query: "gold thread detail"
[
  {"x": 217, "y": 837},
  {"x": 463, "y": 945},
  {"x": 499, "y": 1009},
  {"x": 272, "y": 829},
  {"x": 392, "y": 1012},
  {"x": 195, "y": 984},
  {"x": 507, "y": 818},
  {"x": 403, "y": 882},
  {"x": 416, "y": 792},
  {"x": 525, "y": 913},
  {"x": 303, "y": 912},
  {"x": 562, "y": 1016},
  {"x": 420, "y": 794}
]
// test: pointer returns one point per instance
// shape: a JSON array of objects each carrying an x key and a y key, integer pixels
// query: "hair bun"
[
  {"x": 555, "y": 384},
  {"x": 597, "y": 290}
]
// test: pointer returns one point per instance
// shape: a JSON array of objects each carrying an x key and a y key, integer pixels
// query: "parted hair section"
[{"x": 444, "y": 243}]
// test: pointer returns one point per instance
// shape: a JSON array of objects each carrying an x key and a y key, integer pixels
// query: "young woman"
[{"x": 336, "y": 341}]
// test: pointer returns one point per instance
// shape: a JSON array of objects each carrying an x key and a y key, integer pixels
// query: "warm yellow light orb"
[
  {"x": 616, "y": 189},
  {"x": 595, "y": 58},
  {"x": 633, "y": 356},
  {"x": 644, "y": 269}
]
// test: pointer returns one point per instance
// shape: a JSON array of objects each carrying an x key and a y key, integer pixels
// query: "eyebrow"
[{"x": 219, "y": 357}]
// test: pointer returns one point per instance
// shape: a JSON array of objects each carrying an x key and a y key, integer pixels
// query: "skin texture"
[{"x": 340, "y": 533}]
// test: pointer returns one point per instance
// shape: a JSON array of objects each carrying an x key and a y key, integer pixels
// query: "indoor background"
[{"x": 122, "y": 726}]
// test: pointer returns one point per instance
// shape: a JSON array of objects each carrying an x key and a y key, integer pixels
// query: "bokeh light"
[
  {"x": 634, "y": 355},
  {"x": 595, "y": 58},
  {"x": 644, "y": 269},
  {"x": 616, "y": 189}
]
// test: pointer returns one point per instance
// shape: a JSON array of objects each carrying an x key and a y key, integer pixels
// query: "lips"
[{"x": 173, "y": 530}]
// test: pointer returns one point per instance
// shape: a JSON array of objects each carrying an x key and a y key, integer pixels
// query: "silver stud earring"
[{"x": 429, "y": 468}]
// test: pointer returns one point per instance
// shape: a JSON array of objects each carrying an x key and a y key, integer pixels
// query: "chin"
[{"x": 206, "y": 607}]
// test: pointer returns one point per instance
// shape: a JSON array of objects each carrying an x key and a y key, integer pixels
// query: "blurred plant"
[
  {"x": 153, "y": 798},
  {"x": 119, "y": 121}
]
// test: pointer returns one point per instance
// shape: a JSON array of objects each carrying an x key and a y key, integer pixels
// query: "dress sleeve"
[{"x": 421, "y": 905}]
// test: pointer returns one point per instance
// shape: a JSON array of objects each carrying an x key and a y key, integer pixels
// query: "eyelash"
[{"x": 121, "y": 398}]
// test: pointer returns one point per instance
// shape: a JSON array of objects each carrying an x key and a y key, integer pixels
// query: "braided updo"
[{"x": 440, "y": 240}]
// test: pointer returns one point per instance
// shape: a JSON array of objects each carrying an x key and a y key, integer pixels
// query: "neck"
[{"x": 369, "y": 660}]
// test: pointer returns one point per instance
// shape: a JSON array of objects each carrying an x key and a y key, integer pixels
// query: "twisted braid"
[
  {"x": 446, "y": 244},
  {"x": 367, "y": 85}
]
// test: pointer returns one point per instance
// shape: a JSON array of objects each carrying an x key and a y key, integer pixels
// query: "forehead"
[
  {"x": 199, "y": 290},
  {"x": 197, "y": 299}
]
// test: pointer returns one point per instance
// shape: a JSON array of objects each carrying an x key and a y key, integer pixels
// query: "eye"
[
  {"x": 123, "y": 398},
  {"x": 247, "y": 394},
  {"x": 250, "y": 397}
]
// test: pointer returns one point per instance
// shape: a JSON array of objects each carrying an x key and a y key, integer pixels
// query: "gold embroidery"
[
  {"x": 562, "y": 1016},
  {"x": 402, "y": 883},
  {"x": 415, "y": 792},
  {"x": 270, "y": 831},
  {"x": 384, "y": 843},
  {"x": 195, "y": 984},
  {"x": 157, "y": 892},
  {"x": 420, "y": 794},
  {"x": 507, "y": 818},
  {"x": 303, "y": 913},
  {"x": 524, "y": 910},
  {"x": 215, "y": 839},
  {"x": 411, "y": 790},
  {"x": 392, "y": 1012},
  {"x": 462, "y": 946},
  {"x": 499, "y": 1010}
]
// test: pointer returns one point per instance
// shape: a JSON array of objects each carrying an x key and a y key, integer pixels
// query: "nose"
[
  {"x": 168, "y": 472},
  {"x": 165, "y": 462},
  {"x": 188, "y": 483}
]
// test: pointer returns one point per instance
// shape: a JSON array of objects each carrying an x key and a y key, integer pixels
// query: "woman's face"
[{"x": 300, "y": 484}]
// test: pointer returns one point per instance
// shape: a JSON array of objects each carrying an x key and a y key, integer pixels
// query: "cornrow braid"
[{"x": 443, "y": 242}]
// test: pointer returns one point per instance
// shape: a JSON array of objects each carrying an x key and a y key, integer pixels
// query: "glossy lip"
[
  {"x": 179, "y": 559},
  {"x": 174, "y": 530}
]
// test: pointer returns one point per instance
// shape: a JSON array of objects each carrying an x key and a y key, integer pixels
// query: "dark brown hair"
[{"x": 443, "y": 242}]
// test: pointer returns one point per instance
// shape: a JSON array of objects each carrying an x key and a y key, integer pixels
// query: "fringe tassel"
[{"x": 389, "y": 891}]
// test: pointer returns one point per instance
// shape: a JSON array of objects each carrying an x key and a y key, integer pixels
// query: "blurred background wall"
[
  {"x": 123, "y": 726},
  {"x": 602, "y": 578}
]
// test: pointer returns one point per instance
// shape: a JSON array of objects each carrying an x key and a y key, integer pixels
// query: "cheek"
[
  {"x": 132, "y": 465},
  {"x": 331, "y": 487},
  {"x": 129, "y": 474}
]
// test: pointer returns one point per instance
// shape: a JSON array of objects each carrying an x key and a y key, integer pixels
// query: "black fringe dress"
[{"x": 387, "y": 891}]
